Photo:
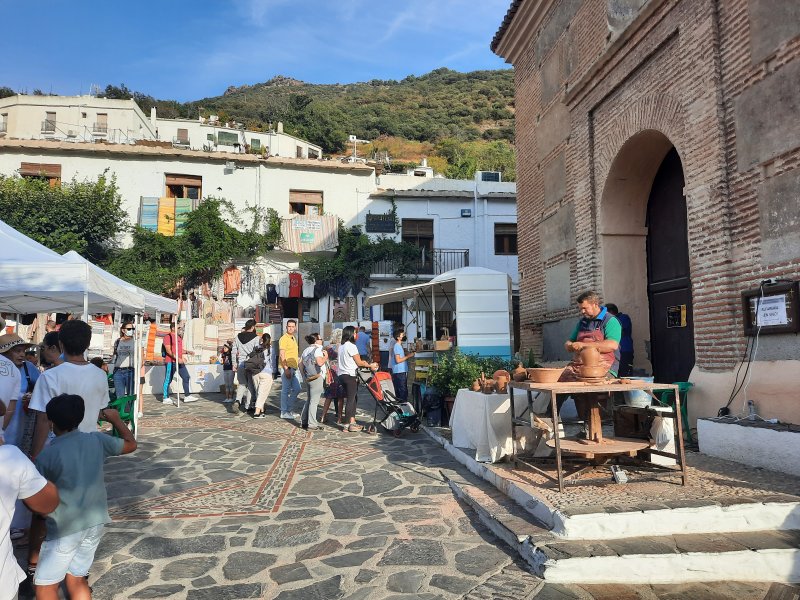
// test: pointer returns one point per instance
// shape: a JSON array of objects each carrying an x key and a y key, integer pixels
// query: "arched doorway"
[
  {"x": 669, "y": 289},
  {"x": 630, "y": 234}
]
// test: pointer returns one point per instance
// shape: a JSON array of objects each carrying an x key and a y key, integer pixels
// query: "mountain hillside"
[
  {"x": 459, "y": 121},
  {"x": 442, "y": 104}
]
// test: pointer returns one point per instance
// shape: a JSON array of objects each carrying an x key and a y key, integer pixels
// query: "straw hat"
[{"x": 10, "y": 340}]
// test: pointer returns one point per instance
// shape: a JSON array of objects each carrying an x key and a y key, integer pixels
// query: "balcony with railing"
[
  {"x": 48, "y": 126},
  {"x": 430, "y": 263},
  {"x": 100, "y": 129}
]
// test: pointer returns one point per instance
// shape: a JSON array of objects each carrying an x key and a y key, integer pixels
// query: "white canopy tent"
[
  {"x": 480, "y": 298},
  {"x": 150, "y": 301},
  {"x": 35, "y": 279}
]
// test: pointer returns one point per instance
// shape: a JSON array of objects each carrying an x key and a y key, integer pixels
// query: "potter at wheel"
[{"x": 595, "y": 346}]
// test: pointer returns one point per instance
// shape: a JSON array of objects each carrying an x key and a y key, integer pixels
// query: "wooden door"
[{"x": 669, "y": 287}]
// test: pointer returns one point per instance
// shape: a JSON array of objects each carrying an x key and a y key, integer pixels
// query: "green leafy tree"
[
  {"x": 351, "y": 267},
  {"x": 85, "y": 216},
  {"x": 214, "y": 236},
  {"x": 5, "y": 92}
]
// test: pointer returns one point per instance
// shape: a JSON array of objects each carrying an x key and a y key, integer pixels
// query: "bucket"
[{"x": 638, "y": 398}]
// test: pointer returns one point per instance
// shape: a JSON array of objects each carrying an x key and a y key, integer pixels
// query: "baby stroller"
[{"x": 397, "y": 415}]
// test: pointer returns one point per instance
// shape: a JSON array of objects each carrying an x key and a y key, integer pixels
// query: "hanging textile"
[
  {"x": 295, "y": 285},
  {"x": 166, "y": 216},
  {"x": 148, "y": 217},
  {"x": 283, "y": 286},
  {"x": 232, "y": 280},
  {"x": 183, "y": 206},
  {"x": 272, "y": 293},
  {"x": 308, "y": 288}
]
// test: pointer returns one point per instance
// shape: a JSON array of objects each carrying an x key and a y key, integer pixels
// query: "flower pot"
[{"x": 519, "y": 374}]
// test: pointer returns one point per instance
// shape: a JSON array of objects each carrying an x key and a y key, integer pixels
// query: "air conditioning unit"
[
  {"x": 489, "y": 176},
  {"x": 71, "y": 134}
]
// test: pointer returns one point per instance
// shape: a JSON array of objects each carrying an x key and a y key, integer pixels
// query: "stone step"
[
  {"x": 771, "y": 555},
  {"x": 666, "y": 517},
  {"x": 745, "y": 556},
  {"x": 504, "y": 517}
]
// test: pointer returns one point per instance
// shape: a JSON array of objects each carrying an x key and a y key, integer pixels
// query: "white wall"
[
  {"x": 451, "y": 230},
  {"x": 26, "y": 113},
  {"x": 259, "y": 183},
  {"x": 279, "y": 144}
]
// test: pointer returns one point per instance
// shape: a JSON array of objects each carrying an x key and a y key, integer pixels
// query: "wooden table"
[{"x": 597, "y": 448}]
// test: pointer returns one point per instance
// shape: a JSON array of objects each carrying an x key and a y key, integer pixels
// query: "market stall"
[{"x": 479, "y": 300}]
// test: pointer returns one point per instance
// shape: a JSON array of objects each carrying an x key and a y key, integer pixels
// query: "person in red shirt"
[{"x": 175, "y": 354}]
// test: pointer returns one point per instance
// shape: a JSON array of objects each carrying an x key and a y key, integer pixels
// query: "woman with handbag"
[
  {"x": 334, "y": 390},
  {"x": 264, "y": 378},
  {"x": 314, "y": 369}
]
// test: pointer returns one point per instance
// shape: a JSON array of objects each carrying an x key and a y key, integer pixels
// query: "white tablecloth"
[{"x": 483, "y": 422}]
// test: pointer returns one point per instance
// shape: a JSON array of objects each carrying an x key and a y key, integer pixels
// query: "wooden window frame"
[
  {"x": 184, "y": 184},
  {"x": 505, "y": 240}
]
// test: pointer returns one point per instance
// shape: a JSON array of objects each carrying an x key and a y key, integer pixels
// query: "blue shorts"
[{"x": 73, "y": 554}]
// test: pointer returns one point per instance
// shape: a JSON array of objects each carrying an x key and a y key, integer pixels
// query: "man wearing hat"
[
  {"x": 15, "y": 349},
  {"x": 9, "y": 379}
]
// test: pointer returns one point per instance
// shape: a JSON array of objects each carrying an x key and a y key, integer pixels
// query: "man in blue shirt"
[
  {"x": 625, "y": 343},
  {"x": 399, "y": 365},
  {"x": 363, "y": 345}
]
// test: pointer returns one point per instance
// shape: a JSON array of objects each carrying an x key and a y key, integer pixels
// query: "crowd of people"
[
  {"x": 52, "y": 398},
  {"x": 52, "y": 490}
]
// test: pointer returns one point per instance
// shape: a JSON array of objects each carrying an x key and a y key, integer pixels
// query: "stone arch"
[{"x": 629, "y": 149}]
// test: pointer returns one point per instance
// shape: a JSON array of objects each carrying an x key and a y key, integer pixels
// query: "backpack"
[
  {"x": 311, "y": 370},
  {"x": 255, "y": 361}
]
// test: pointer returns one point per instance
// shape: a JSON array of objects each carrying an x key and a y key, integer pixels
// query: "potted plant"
[{"x": 453, "y": 371}]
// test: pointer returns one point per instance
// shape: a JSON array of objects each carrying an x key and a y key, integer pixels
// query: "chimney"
[
  {"x": 424, "y": 162},
  {"x": 280, "y": 126},
  {"x": 153, "y": 116}
]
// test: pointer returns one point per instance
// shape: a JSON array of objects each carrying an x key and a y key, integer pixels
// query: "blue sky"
[{"x": 177, "y": 49}]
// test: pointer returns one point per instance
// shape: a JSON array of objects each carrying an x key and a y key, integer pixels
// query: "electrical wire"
[{"x": 750, "y": 352}]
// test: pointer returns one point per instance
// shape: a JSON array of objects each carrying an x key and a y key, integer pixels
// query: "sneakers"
[
  {"x": 260, "y": 416},
  {"x": 191, "y": 398},
  {"x": 167, "y": 400},
  {"x": 288, "y": 415},
  {"x": 228, "y": 401}
]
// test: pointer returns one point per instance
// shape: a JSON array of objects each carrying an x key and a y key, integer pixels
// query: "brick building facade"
[{"x": 620, "y": 101}]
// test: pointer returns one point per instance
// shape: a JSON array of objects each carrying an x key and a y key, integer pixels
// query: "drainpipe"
[{"x": 475, "y": 219}]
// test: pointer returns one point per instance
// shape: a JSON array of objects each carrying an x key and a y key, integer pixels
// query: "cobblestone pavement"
[{"x": 215, "y": 505}]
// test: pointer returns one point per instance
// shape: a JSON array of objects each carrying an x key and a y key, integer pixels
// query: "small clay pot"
[
  {"x": 519, "y": 374},
  {"x": 501, "y": 373},
  {"x": 476, "y": 385},
  {"x": 488, "y": 386},
  {"x": 501, "y": 384}
]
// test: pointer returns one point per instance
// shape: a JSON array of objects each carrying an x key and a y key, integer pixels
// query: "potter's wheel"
[{"x": 592, "y": 380}]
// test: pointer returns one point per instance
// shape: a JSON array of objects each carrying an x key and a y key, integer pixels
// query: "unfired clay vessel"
[{"x": 519, "y": 374}]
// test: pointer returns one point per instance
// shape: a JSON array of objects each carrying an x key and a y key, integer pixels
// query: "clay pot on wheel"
[
  {"x": 590, "y": 356},
  {"x": 519, "y": 374},
  {"x": 592, "y": 372}
]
